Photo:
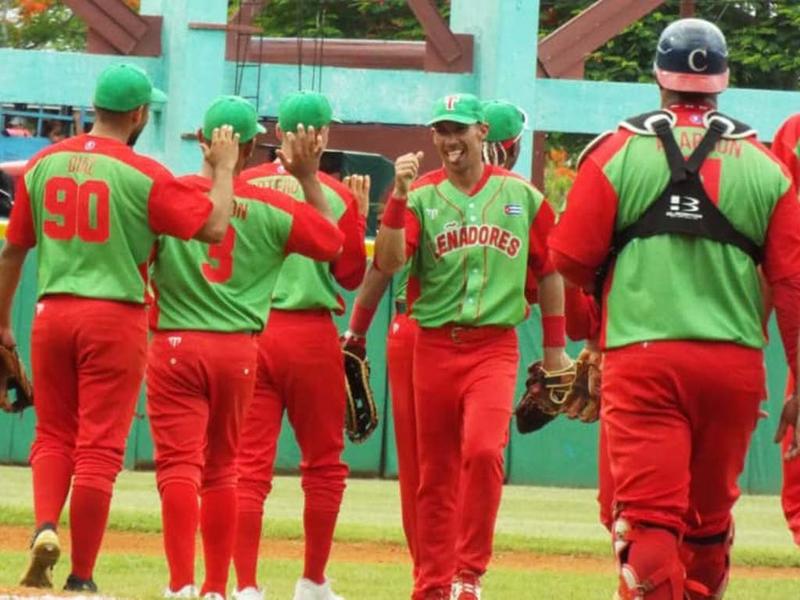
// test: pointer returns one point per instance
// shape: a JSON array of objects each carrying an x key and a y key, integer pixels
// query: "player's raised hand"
[
  {"x": 359, "y": 185},
  {"x": 222, "y": 152},
  {"x": 406, "y": 168},
  {"x": 790, "y": 417},
  {"x": 305, "y": 150}
]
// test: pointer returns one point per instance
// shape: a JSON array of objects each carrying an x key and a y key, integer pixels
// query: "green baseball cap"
[
  {"x": 506, "y": 121},
  {"x": 123, "y": 87},
  {"x": 236, "y": 112},
  {"x": 458, "y": 108},
  {"x": 310, "y": 109}
]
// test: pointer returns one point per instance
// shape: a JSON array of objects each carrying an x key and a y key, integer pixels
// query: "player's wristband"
[
  {"x": 360, "y": 319},
  {"x": 394, "y": 215},
  {"x": 553, "y": 331}
]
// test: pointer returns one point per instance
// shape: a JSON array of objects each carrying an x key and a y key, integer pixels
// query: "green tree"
[
  {"x": 362, "y": 19},
  {"x": 762, "y": 38}
]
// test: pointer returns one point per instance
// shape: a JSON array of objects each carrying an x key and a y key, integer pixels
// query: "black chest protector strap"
[{"x": 683, "y": 208}]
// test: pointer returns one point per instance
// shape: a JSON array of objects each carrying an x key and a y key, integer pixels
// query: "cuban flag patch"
[{"x": 512, "y": 209}]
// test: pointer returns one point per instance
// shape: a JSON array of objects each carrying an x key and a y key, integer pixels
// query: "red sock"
[
  {"x": 88, "y": 514},
  {"x": 217, "y": 511},
  {"x": 179, "y": 516},
  {"x": 51, "y": 478},
  {"x": 245, "y": 550},
  {"x": 319, "y": 526},
  {"x": 653, "y": 550}
]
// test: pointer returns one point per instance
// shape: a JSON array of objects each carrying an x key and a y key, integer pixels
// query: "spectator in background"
[
  {"x": 16, "y": 128},
  {"x": 54, "y": 130}
]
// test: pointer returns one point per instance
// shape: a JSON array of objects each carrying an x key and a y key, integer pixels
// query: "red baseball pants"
[
  {"x": 790, "y": 491},
  {"x": 88, "y": 359},
  {"x": 464, "y": 382},
  {"x": 198, "y": 386},
  {"x": 677, "y": 437},
  {"x": 399, "y": 362},
  {"x": 301, "y": 371}
]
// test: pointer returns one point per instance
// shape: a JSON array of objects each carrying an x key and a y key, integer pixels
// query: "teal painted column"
[
  {"x": 505, "y": 54},
  {"x": 192, "y": 74}
]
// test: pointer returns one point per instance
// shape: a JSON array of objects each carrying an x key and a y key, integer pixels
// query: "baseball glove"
[
  {"x": 13, "y": 377},
  {"x": 583, "y": 398},
  {"x": 544, "y": 397},
  {"x": 361, "y": 416}
]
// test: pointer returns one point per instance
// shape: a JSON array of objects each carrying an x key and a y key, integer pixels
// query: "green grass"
[{"x": 545, "y": 520}]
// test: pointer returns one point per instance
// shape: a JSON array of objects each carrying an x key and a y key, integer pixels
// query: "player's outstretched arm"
[
  {"x": 369, "y": 296},
  {"x": 302, "y": 161},
  {"x": 12, "y": 258},
  {"x": 551, "y": 301},
  {"x": 222, "y": 154},
  {"x": 390, "y": 243}
]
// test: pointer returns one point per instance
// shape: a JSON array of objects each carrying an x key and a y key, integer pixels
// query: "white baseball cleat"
[
  {"x": 308, "y": 590},
  {"x": 248, "y": 593},
  {"x": 466, "y": 586},
  {"x": 187, "y": 591}
]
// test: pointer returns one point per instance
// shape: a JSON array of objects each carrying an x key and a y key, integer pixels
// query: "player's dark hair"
[
  {"x": 675, "y": 97},
  {"x": 112, "y": 117}
]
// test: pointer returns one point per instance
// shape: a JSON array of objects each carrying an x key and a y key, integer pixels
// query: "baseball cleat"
[
  {"x": 76, "y": 584},
  {"x": 45, "y": 550},
  {"x": 466, "y": 586},
  {"x": 187, "y": 591},
  {"x": 249, "y": 593},
  {"x": 308, "y": 590}
]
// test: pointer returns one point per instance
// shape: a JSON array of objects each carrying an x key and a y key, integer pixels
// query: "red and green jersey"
[
  {"x": 94, "y": 208},
  {"x": 304, "y": 283},
  {"x": 227, "y": 286},
  {"x": 786, "y": 146},
  {"x": 470, "y": 251},
  {"x": 671, "y": 287}
]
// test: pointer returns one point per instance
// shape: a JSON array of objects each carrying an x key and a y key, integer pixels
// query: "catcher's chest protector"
[{"x": 683, "y": 207}]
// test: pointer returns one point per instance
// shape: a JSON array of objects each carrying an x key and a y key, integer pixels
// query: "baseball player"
[
  {"x": 211, "y": 301},
  {"x": 300, "y": 371},
  {"x": 94, "y": 208},
  {"x": 680, "y": 239},
  {"x": 501, "y": 148},
  {"x": 785, "y": 146},
  {"x": 470, "y": 230}
]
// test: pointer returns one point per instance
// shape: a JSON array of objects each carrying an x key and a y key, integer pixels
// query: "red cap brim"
[{"x": 690, "y": 82}]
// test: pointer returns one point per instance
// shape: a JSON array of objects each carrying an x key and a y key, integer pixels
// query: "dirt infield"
[{"x": 149, "y": 544}]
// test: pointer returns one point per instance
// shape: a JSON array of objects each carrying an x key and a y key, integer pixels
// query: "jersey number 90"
[{"x": 74, "y": 208}]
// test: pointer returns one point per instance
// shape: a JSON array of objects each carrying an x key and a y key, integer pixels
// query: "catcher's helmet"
[{"x": 692, "y": 56}]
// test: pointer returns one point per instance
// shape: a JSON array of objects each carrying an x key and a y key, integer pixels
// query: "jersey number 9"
[{"x": 74, "y": 208}]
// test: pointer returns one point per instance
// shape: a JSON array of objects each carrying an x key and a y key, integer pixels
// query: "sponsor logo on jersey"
[
  {"x": 470, "y": 236},
  {"x": 684, "y": 207},
  {"x": 432, "y": 213},
  {"x": 39, "y": 307},
  {"x": 89, "y": 145},
  {"x": 174, "y": 340},
  {"x": 513, "y": 209}
]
